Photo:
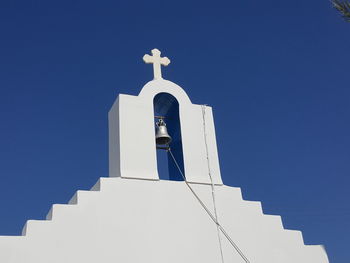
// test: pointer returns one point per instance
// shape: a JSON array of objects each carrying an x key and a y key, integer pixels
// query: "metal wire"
[
  {"x": 212, "y": 184},
  {"x": 234, "y": 245}
]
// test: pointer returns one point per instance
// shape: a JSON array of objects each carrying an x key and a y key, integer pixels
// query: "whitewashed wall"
[{"x": 131, "y": 220}]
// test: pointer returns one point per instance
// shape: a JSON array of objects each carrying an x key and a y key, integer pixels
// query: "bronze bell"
[{"x": 162, "y": 136}]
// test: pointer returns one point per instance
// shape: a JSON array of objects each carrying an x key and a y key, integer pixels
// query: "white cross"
[{"x": 157, "y": 61}]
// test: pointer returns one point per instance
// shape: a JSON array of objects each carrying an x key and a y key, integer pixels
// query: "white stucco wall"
[{"x": 161, "y": 221}]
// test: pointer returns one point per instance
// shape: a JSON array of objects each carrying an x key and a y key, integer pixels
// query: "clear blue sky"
[{"x": 275, "y": 72}]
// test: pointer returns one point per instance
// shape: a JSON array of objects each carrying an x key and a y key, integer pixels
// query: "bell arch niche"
[
  {"x": 166, "y": 106},
  {"x": 132, "y": 146}
]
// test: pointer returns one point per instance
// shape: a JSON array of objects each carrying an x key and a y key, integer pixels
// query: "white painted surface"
[
  {"x": 132, "y": 139},
  {"x": 128, "y": 220}
]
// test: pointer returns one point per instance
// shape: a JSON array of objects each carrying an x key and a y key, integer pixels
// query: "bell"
[{"x": 162, "y": 136}]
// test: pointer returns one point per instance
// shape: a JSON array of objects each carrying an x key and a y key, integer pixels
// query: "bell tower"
[{"x": 132, "y": 144}]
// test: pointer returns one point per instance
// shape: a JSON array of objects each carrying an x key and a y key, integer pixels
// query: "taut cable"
[{"x": 234, "y": 245}]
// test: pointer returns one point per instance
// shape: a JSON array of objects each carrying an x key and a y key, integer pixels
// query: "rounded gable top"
[{"x": 152, "y": 88}]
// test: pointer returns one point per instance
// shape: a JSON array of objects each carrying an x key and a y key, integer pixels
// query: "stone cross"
[{"x": 157, "y": 61}]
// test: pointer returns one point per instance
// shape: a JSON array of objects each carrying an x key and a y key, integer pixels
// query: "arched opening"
[{"x": 167, "y": 106}]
